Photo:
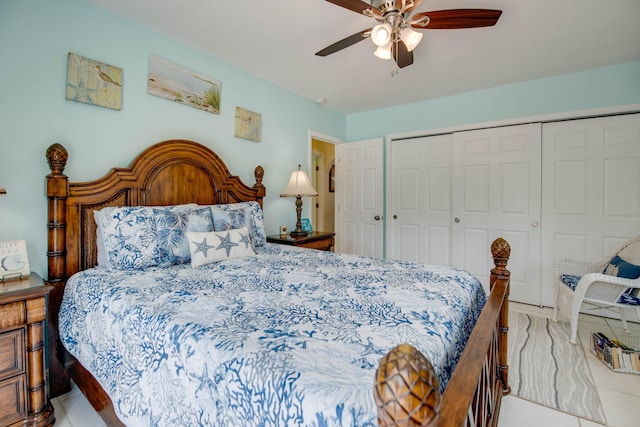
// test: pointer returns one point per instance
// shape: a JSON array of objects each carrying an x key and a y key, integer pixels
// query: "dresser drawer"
[
  {"x": 12, "y": 399},
  {"x": 12, "y": 314},
  {"x": 11, "y": 353}
]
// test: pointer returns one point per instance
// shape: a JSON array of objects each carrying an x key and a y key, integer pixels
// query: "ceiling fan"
[{"x": 394, "y": 35}]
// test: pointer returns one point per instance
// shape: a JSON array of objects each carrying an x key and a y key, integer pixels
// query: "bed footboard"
[{"x": 407, "y": 391}]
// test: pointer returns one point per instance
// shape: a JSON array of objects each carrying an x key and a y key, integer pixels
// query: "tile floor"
[{"x": 619, "y": 393}]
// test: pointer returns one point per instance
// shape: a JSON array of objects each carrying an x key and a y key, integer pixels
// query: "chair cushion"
[
  {"x": 570, "y": 280},
  {"x": 630, "y": 296}
]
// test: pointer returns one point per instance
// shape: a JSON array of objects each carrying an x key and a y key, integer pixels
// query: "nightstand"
[
  {"x": 23, "y": 382},
  {"x": 315, "y": 240}
]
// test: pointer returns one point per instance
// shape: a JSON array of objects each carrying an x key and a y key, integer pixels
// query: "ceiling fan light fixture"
[
  {"x": 410, "y": 38},
  {"x": 383, "y": 52},
  {"x": 381, "y": 34}
]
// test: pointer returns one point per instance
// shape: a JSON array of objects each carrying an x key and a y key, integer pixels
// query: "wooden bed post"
[
  {"x": 406, "y": 389},
  {"x": 258, "y": 173},
  {"x": 501, "y": 251},
  {"x": 57, "y": 192}
]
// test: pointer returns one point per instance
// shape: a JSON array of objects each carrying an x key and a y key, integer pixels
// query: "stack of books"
[{"x": 618, "y": 356}]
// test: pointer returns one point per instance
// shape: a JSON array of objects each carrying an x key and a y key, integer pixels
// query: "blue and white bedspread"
[{"x": 289, "y": 337}]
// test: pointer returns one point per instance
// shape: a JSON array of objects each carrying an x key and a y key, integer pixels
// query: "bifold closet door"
[
  {"x": 497, "y": 193},
  {"x": 591, "y": 181},
  {"x": 419, "y": 193}
]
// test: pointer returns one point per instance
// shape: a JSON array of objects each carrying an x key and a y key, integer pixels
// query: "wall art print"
[
  {"x": 248, "y": 124},
  {"x": 93, "y": 82},
  {"x": 179, "y": 84}
]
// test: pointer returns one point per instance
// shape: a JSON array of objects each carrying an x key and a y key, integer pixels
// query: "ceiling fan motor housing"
[{"x": 385, "y": 6}]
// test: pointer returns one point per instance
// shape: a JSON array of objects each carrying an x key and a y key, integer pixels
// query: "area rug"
[{"x": 545, "y": 368}]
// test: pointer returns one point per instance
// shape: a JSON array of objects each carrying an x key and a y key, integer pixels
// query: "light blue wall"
[
  {"x": 35, "y": 37},
  {"x": 597, "y": 88}
]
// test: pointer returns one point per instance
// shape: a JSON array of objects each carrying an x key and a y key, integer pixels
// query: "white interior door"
[
  {"x": 359, "y": 197},
  {"x": 591, "y": 180},
  {"x": 497, "y": 193},
  {"x": 419, "y": 194}
]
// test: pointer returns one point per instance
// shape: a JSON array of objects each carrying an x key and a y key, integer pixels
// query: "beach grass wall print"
[
  {"x": 179, "y": 84},
  {"x": 248, "y": 124},
  {"x": 93, "y": 82}
]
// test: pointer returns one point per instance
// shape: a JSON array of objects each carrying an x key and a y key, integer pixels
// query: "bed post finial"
[
  {"x": 405, "y": 371},
  {"x": 57, "y": 157}
]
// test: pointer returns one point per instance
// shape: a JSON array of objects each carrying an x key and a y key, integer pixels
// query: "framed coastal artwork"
[
  {"x": 93, "y": 82},
  {"x": 248, "y": 124},
  {"x": 179, "y": 84}
]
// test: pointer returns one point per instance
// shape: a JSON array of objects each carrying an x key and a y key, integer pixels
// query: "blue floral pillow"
[
  {"x": 223, "y": 215},
  {"x": 103, "y": 257},
  {"x": 129, "y": 236},
  {"x": 171, "y": 227}
]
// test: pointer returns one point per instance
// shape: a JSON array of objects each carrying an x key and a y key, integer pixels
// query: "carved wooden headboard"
[{"x": 167, "y": 173}]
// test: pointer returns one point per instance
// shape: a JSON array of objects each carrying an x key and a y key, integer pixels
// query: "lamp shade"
[
  {"x": 298, "y": 185},
  {"x": 410, "y": 38},
  {"x": 381, "y": 34},
  {"x": 383, "y": 52}
]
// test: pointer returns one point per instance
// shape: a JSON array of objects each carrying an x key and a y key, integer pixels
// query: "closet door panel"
[
  {"x": 419, "y": 194},
  {"x": 497, "y": 193},
  {"x": 592, "y": 189}
]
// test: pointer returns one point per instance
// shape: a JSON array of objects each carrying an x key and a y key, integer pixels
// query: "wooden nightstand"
[
  {"x": 23, "y": 382},
  {"x": 316, "y": 240}
]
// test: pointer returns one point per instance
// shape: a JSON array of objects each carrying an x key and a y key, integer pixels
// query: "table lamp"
[{"x": 299, "y": 187}]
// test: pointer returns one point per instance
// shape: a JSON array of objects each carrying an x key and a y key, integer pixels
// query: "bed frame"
[{"x": 179, "y": 171}]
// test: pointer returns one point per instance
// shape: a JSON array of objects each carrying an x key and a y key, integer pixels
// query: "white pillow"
[{"x": 209, "y": 247}]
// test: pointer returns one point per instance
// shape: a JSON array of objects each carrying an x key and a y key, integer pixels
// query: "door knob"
[
  {"x": 456, "y": 220},
  {"x": 377, "y": 218},
  {"x": 395, "y": 217},
  {"x": 535, "y": 223}
]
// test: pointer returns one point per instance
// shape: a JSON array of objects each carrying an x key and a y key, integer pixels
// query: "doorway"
[{"x": 322, "y": 165}]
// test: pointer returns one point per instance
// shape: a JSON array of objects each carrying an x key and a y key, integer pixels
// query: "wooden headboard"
[{"x": 167, "y": 173}]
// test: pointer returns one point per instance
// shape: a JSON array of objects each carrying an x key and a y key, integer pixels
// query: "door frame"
[{"x": 312, "y": 161}]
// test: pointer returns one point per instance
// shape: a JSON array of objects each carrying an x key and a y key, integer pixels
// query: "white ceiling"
[{"x": 277, "y": 39}]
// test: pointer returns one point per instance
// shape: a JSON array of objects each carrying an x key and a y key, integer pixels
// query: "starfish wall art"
[{"x": 93, "y": 82}]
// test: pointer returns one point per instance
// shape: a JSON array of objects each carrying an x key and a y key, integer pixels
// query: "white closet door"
[
  {"x": 591, "y": 181},
  {"x": 497, "y": 193},
  {"x": 359, "y": 197},
  {"x": 419, "y": 191}
]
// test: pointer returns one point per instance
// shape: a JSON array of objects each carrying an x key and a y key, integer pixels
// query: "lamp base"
[{"x": 298, "y": 232}]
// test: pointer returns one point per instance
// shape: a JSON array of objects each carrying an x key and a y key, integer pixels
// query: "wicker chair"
[{"x": 594, "y": 288}]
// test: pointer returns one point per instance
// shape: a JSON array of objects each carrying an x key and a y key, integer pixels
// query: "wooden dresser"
[
  {"x": 316, "y": 240},
  {"x": 23, "y": 387}
]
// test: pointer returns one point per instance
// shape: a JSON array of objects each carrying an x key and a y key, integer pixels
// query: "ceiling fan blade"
[
  {"x": 455, "y": 18},
  {"x": 346, "y": 42},
  {"x": 357, "y": 6},
  {"x": 401, "y": 54}
]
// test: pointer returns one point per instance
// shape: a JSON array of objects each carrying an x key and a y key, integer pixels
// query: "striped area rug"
[{"x": 545, "y": 368}]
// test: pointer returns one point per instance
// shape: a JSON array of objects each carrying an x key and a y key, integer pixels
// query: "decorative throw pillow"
[
  {"x": 129, "y": 237},
  {"x": 171, "y": 226},
  {"x": 103, "y": 257},
  {"x": 230, "y": 219},
  {"x": 621, "y": 268},
  {"x": 253, "y": 219},
  {"x": 209, "y": 247}
]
